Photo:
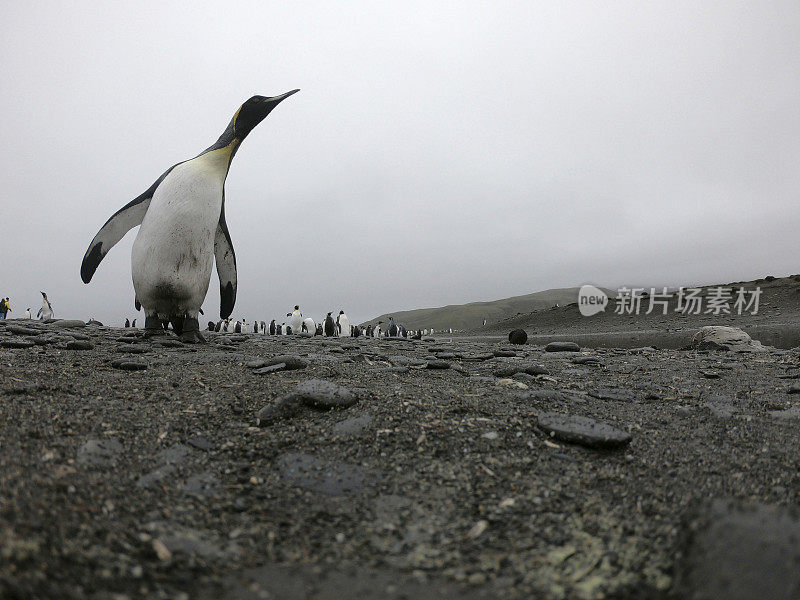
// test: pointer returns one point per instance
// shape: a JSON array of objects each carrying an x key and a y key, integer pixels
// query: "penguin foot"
[
  {"x": 153, "y": 327},
  {"x": 192, "y": 337},
  {"x": 191, "y": 331}
]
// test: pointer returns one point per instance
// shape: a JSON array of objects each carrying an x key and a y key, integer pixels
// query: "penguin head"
[
  {"x": 253, "y": 111},
  {"x": 43, "y": 294}
]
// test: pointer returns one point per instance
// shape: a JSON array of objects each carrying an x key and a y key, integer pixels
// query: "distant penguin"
[
  {"x": 319, "y": 330},
  {"x": 378, "y": 330},
  {"x": 343, "y": 324},
  {"x": 356, "y": 331},
  {"x": 255, "y": 326},
  {"x": 46, "y": 312},
  {"x": 392, "y": 331},
  {"x": 296, "y": 319},
  {"x": 279, "y": 330},
  {"x": 309, "y": 326},
  {"x": 272, "y": 327},
  {"x": 330, "y": 326},
  {"x": 28, "y": 313},
  {"x": 218, "y": 325},
  {"x": 183, "y": 231},
  {"x": 369, "y": 331},
  {"x": 210, "y": 326},
  {"x": 237, "y": 328},
  {"x": 127, "y": 323},
  {"x": 402, "y": 331}
]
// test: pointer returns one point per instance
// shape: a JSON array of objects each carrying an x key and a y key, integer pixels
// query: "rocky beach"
[{"x": 289, "y": 467}]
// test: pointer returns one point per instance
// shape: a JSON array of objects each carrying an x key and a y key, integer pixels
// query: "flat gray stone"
[
  {"x": 585, "y": 431},
  {"x": 79, "y": 345},
  {"x": 18, "y": 330},
  {"x": 154, "y": 476},
  {"x": 332, "y": 478},
  {"x": 99, "y": 453},
  {"x": 740, "y": 553},
  {"x": 353, "y": 427},
  {"x": 129, "y": 365},
  {"x": 68, "y": 324},
  {"x": 284, "y": 408},
  {"x": 789, "y": 413},
  {"x": 17, "y": 343},
  {"x": 290, "y": 362},
  {"x": 438, "y": 364},
  {"x": 407, "y": 361},
  {"x": 562, "y": 347},
  {"x": 322, "y": 394},
  {"x": 173, "y": 455},
  {"x": 508, "y": 370},
  {"x": 613, "y": 394}
]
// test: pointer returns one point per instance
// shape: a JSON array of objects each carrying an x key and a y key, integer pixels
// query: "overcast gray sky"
[{"x": 438, "y": 152}]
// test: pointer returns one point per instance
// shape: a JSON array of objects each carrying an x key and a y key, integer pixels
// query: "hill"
[{"x": 471, "y": 316}]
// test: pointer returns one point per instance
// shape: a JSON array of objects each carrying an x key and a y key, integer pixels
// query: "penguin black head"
[{"x": 250, "y": 114}]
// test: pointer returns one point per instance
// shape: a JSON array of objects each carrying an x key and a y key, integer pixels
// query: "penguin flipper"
[
  {"x": 137, "y": 304},
  {"x": 120, "y": 223},
  {"x": 226, "y": 266}
]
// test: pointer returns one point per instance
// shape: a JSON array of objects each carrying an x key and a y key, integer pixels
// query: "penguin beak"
[{"x": 276, "y": 99}]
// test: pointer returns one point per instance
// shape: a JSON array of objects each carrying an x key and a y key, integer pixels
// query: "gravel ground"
[{"x": 133, "y": 468}]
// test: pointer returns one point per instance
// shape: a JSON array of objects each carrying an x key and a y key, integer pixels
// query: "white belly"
[{"x": 174, "y": 250}]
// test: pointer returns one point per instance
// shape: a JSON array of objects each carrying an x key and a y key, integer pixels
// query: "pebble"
[
  {"x": 789, "y": 413},
  {"x": 17, "y": 343},
  {"x": 79, "y": 345},
  {"x": 279, "y": 410},
  {"x": 518, "y": 336},
  {"x": 438, "y": 364},
  {"x": 18, "y": 330},
  {"x": 530, "y": 369},
  {"x": 794, "y": 389},
  {"x": 129, "y": 365},
  {"x": 200, "y": 443},
  {"x": 562, "y": 347},
  {"x": 322, "y": 394},
  {"x": 586, "y": 360},
  {"x": 328, "y": 477},
  {"x": 585, "y": 431},
  {"x": 68, "y": 324},
  {"x": 133, "y": 349},
  {"x": 613, "y": 394},
  {"x": 99, "y": 453},
  {"x": 504, "y": 353},
  {"x": 720, "y": 406},
  {"x": 290, "y": 362},
  {"x": 739, "y": 552},
  {"x": 352, "y": 427}
]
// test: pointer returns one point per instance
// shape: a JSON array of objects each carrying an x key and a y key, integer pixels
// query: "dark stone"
[
  {"x": 511, "y": 369},
  {"x": 710, "y": 374},
  {"x": 613, "y": 394},
  {"x": 170, "y": 343},
  {"x": 794, "y": 389},
  {"x": 79, "y": 345},
  {"x": 438, "y": 364},
  {"x": 283, "y": 408},
  {"x": 740, "y": 552},
  {"x": 99, "y": 453},
  {"x": 585, "y": 431},
  {"x": 518, "y": 336},
  {"x": 17, "y": 330},
  {"x": 332, "y": 478},
  {"x": 504, "y": 353},
  {"x": 322, "y": 394},
  {"x": 353, "y": 426},
  {"x": 586, "y": 360},
  {"x": 721, "y": 406},
  {"x": 290, "y": 363},
  {"x": 445, "y": 355},
  {"x": 17, "y": 343},
  {"x": 128, "y": 365},
  {"x": 407, "y": 361},
  {"x": 390, "y": 370},
  {"x": 200, "y": 443},
  {"x": 68, "y": 324},
  {"x": 562, "y": 347}
]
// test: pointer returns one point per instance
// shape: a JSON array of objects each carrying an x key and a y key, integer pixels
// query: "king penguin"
[
  {"x": 296, "y": 319},
  {"x": 183, "y": 229},
  {"x": 46, "y": 312}
]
